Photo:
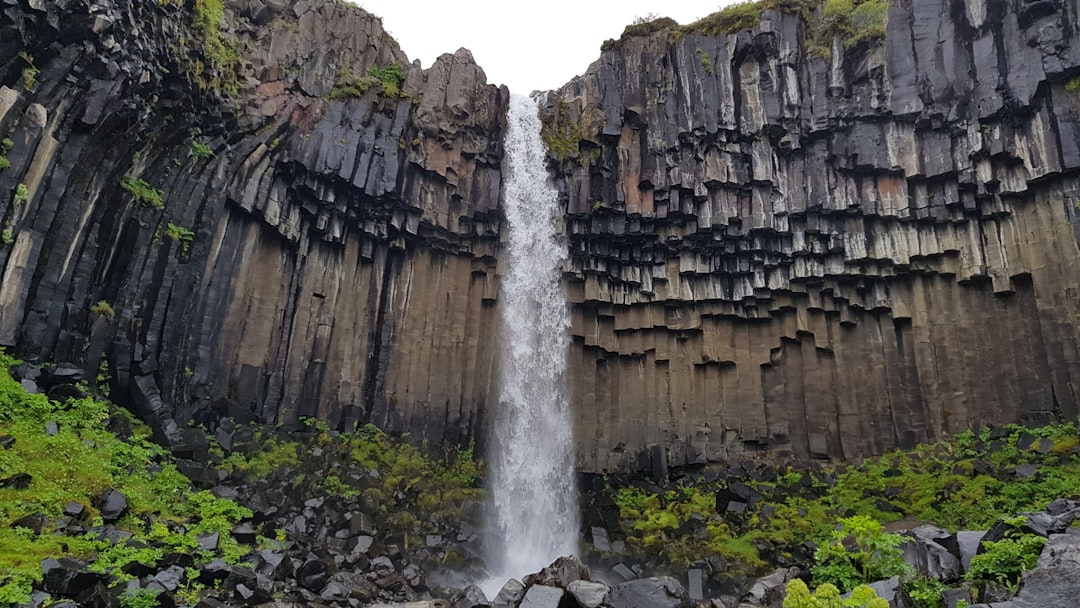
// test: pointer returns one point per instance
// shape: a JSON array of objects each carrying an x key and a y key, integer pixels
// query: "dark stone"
[
  {"x": 18, "y": 481},
  {"x": 622, "y": 571},
  {"x": 112, "y": 505},
  {"x": 273, "y": 564},
  {"x": 1055, "y": 581},
  {"x": 208, "y": 541},
  {"x": 75, "y": 510},
  {"x": 313, "y": 575},
  {"x": 893, "y": 592},
  {"x": 67, "y": 576},
  {"x": 968, "y": 542},
  {"x": 34, "y": 522},
  {"x": 952, "y": 597},
  {"x": 542, "y": 596},
  {"x": 769, "y": 589},
  {"x": 244, "y": 533},
  {"x": 51, "y": 428},
  {"x": 510, "y": 594},
  {"x": 6, "y": 442},
  {"x": 168, "y": 579},
  {"x": 470, "y": 597},
  {"x": 662, "y": 592},
  {"x": 561, "y": 573},
  {"x": 1025, "y": 471},
  {"x": 600, "y": 540},
  {"x": 695, "y": 584}
]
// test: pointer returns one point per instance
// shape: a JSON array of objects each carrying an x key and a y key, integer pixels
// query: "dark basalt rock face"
[
  {"x": 778, "y": 254},
  {"x": 343, "y": 250},
  {"x": 771, "y": 253}
]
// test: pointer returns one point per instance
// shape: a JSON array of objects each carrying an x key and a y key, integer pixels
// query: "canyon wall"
[
  {"x": 772, "y": 252},
  {"x": 775, "y": 252},
  {"x": 341, "y": 259}
]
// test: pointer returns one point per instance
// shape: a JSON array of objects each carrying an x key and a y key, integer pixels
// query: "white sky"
[{"x": 525, "y": 45}]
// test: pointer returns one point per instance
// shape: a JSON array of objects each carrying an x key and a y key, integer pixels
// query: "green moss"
[
  {"x": 209, "y": 58},
  {"x": 201, "y": 150},
  {"x": 180, "y": 235},
  {"x": 561, "y": 133},
  {"x": 22, "y": 194},
  {"x": 142, "y": 192},
  {"x": 1073, "y": 85},
  {"x": 388, "y": 78},
  {"x": 76, "y": 464},
  {"x": 104, "y": 309}
]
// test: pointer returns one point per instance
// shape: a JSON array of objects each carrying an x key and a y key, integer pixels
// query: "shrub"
[
  {"x": 22, "y": 194},
  {"x": 1003, "y": 561},
  {"x": 828, "y": 596},
  {"x": 142, "y": 192},
  {"x": 180, "y": 235},
  {"x": 859, "y": 551},
  {"x": 104, "y": 309},
  {"x": 200, "y": 150},
  {"x": 4, "y": 163}
]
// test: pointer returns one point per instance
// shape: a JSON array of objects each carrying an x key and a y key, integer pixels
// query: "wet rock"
[
  {"x": 769, "y": 589},
  {"x": 968, "y": 542},
  {"x": 542, "y": 596},
  {"x": 927, "y": 552},
  {"x": 1055, "y": 581},
  {"x": 470, "y": 597},
  {"x": 662, "y": 592},
  {"x": 313, "y": 575},
  {"x": 168, "y": 579},
  {"x": 510, "y": 594},
  {"x": 588, "y": 594},
  {"x": 561, "y": 573}
]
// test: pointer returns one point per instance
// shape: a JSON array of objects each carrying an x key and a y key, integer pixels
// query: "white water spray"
[{"x": 534, "y": 500}]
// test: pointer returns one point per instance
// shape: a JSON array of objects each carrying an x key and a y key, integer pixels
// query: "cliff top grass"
[{"x": 853, "y": 22}]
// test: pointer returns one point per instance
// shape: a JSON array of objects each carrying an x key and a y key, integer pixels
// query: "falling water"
[{"x": 534, "y": 501}]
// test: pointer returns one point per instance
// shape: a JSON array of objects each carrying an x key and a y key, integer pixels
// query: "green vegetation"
[
  {"x": 22, "y": 194},
  {"x": 966, "y": 482},
  {"x": 1073, "y": 85},
  {"x": 210, "y": 58},
  {"x": 30, "y": 72},
  {"x": 706, "y": 61},
  {"x": 408, "y": 489},
  {"x": 180, "y": 235},
  {"x": 142, "y": 192},
  {"x": 104, "y": 309},
  {"x": 1004, "y": 560},
  {"x": 5, "y": 146},
  {"x": 854, "y": 22},
  {"x": 389, "y": 78},
  {"x": 7, "y": 236},
  {"x": 78, "y": 463},
  {"x": 828, "y": 596},
  {"x": 859, "y": 551},
  {"x": 201, "y": 151},
  {"x": 561, "y": 133}
]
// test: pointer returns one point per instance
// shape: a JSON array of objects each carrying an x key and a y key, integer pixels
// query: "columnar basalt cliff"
[
  {"x": 341, "y": 257},
  {"x": 775, "y": 252}
]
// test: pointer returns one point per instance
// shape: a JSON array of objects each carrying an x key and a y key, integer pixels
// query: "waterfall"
[{"x": 533, "y": 512}]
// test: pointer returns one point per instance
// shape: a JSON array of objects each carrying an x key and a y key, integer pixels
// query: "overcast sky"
[{"x": 524, "y": 45}]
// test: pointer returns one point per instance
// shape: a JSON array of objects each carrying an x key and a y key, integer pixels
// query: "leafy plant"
[
  {"x": 201, "y": 150},
  {"x": 139, "y": 598},
  {"x": 180, "y": 235},
  {"x": 798, "y": 595},
  {"x": 859, "y": 551},
  {"x": 30, "y": 72},
  {"x": 142, "y": 192},
  {"x": 925, "y": 591},
  {"x": 22, "y": 194},
  {"x": 1003, "y": 561},
  {"x": 4, "y": 163},
  {"x": 104, "y": 309}
]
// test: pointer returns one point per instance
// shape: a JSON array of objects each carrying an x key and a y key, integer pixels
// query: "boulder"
[
  {"x": 113, "y": 505},
  {"x": 542, "y": 596},
  {"x": 1055, "y": 581},
  {"x": 510, "y": 594},
  {"x": 660, "y": 592},
  {"x": 560, "y": 573},
  {"x": 587, "y": 593},
  {"x": 470, "y": 597},
  {"x": 893, "y": 592},
  {"x": 769, "y": 589}
]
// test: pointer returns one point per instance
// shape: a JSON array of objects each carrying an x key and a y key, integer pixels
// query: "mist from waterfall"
[{"x": 533, "y": 511}]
